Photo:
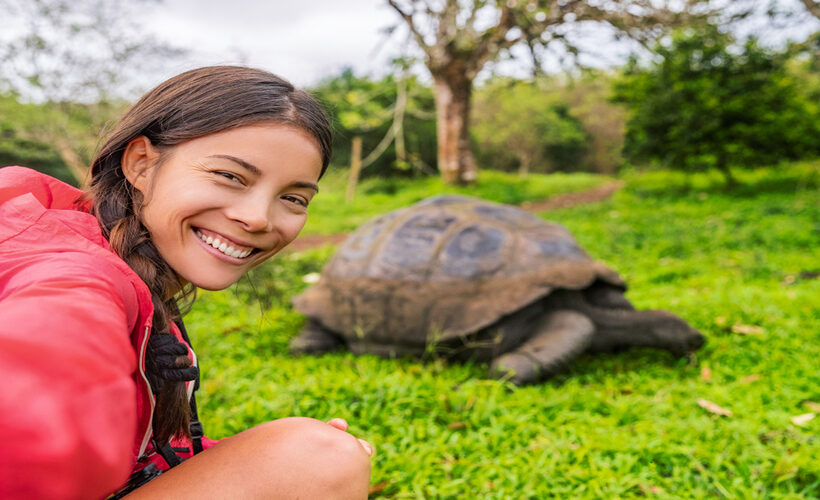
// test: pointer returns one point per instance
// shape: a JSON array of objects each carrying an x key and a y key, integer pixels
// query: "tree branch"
[
  {"x": 813, "y": 7},
  {"x": 408, "y": 18}
]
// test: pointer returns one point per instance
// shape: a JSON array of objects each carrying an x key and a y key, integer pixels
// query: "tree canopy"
[
  {"x": 710, "y": 102},
  {"x": 517, "y": 123}
]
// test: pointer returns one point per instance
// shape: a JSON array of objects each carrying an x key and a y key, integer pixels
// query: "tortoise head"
[{"x": 674, "y": 334}]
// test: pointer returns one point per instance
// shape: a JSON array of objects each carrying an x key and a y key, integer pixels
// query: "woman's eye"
[
  {"x": 296, "y": 199},
  {"x": 230, "y": 176}
]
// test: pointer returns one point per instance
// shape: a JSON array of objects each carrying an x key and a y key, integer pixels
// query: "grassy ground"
[
  {"x": 740, "y": 266},
  {"x": 329, "y": 213}
]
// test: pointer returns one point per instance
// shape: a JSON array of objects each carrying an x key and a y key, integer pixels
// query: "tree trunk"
[
  {"x": 723, "y": 166},
  {"x": 455, "y": 155}
]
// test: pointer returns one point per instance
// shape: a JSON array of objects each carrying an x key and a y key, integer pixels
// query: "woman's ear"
[{"x": 138, "y": 161}]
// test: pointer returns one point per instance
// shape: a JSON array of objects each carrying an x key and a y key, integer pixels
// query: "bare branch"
[
  {"x": 408, "y": 18},
  {"x": 813, "y": 7}
]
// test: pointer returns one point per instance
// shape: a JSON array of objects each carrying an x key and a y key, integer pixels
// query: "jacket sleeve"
[{"x": 68, "y": 400}]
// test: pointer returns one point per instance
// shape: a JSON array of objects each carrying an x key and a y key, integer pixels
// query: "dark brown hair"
[{"x": 193, "y": 104}]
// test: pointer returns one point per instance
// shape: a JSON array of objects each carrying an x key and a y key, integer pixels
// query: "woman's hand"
[{"x": 341, "y": 424}]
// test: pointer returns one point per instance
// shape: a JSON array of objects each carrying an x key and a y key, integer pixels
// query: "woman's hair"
[{"x": 193, "y": 104}]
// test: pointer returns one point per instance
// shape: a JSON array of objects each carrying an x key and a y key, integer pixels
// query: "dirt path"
[{"x": 567, "y": 200}]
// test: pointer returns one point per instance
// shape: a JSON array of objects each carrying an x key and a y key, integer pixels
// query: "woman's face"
[{"x": 218, "y": 205}]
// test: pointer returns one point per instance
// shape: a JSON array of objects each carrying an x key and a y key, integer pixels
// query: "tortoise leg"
[
  {"x": 314, "y": 338},
  {"x": 558, "y": 337},
  {"x": 601, "y": 294}
]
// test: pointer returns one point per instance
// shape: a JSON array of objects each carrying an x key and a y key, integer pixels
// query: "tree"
[
  {"x": 81, "y": 59},
  {"x": 459, "y": 37},
  {"x": 391, "y": 115},
  {"x": 709, "y": 102},
  {"x": 517, "y": 122}
]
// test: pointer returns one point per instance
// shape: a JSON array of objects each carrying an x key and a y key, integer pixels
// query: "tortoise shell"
[{"x": 447, "y": 266}]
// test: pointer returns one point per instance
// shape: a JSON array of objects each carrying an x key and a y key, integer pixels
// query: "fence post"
[{"x": 355, "y": 168}]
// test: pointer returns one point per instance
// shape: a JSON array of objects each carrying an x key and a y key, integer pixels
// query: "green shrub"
[{"x": 707, "y": 102}]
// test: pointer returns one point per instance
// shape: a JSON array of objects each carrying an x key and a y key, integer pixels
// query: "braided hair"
[{"x": 193, "y": 104}]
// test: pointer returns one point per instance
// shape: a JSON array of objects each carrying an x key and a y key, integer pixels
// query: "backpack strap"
[
  {"x": 195, "y": 427},
  {"x": 168, "y": 454}
]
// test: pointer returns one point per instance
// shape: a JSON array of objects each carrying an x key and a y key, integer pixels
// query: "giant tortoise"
[{"x": 471, "y": 279}]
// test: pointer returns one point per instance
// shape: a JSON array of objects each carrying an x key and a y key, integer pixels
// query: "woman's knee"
[
  {"x": 288, "y": 458},
  {"x": 332, "y": 460}
]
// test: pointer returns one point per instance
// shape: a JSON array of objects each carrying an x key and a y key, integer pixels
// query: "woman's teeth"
[{"x": 225, "y": 248}]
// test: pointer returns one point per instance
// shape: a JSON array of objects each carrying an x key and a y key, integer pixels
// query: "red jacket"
[{"x": 75, "y": 406}]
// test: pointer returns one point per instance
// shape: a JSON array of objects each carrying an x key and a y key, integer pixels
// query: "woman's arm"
[{"x": 67, "y": 404}]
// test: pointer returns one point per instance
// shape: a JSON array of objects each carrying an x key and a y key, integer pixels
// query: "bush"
[
  {"x": 709, "y": 102},
  {"x": 516, "y": 124}
]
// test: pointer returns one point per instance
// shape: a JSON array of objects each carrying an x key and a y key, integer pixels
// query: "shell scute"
[{"x": 473, "y": 252}]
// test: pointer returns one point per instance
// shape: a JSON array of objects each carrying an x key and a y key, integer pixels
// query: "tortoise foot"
[
  {"x": 314, "y": 339},
  {"x": 515, "y": 367},
  {"x": 558, "y": 338}
]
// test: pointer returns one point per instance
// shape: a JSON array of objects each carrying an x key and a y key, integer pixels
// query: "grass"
[
  {"x": 330, "y": 213},
  {"x": 625, "y": 425}
]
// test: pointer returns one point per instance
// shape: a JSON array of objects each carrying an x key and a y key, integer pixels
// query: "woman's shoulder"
[
  {"x": 50, "y": 192},
  {"x": 32, "y": 199}
]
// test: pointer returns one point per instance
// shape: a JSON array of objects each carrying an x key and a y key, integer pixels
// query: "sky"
[
  {"x": 303, "y": 41},
  {"x": 306, "y": 41}
]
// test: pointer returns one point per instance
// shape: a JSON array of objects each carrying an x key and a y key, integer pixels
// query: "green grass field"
[{"x": 741, "y": 266}]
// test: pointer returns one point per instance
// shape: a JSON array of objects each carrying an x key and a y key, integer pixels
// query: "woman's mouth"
[{"x": 224, "y": 245}]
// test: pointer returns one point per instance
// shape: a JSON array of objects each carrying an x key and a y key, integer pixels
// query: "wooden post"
[{"x": 355, "y": 168}]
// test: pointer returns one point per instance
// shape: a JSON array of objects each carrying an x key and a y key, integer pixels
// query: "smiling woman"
[
  {"x": 250, "y": 199},
  {"x": 208, "y": 175}
]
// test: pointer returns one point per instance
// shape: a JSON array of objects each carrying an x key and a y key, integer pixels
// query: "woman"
[{"x": 207, "y": 176}]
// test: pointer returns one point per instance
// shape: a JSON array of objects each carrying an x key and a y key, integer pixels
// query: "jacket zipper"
[{"x": 148, "y": 431}]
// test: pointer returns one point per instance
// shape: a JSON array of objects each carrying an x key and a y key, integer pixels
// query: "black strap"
[
  {"x": 197, "y": 433},
  {"x": 195, "y": 427},
  {"x": 167, "y": 452}
]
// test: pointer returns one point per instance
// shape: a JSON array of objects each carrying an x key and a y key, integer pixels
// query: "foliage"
[
  {"x": 81, "y": 58},
  {"x": 709, "y": 103},
  {"x": 365, "y": 107},
  {"x": 624, "y": 425},
  {"x": 517, "y": 124},
  {"x": 16, "y": 149},
  {"x": 587, "y": 97}
]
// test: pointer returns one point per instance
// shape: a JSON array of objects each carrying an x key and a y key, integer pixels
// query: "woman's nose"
[{"x": 253, "y": 215}]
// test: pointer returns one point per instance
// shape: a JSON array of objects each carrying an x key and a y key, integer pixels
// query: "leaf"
[
  {"x": 752, "y": 378},
  {"x": 811, "y": 405},
  {"x": 746, "y": 329},
  {"x": 706, "y": 374},
  {"x": 311, "y": 278},
  {"x": 375, "y": 488},
  {"x": 802, "y": 420},
  {"x": 713, "y": 408},
  {"x": 720, "y": 321},
  {"x": 785, "y": 469},
  {"x": 651, "y": 490}
]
